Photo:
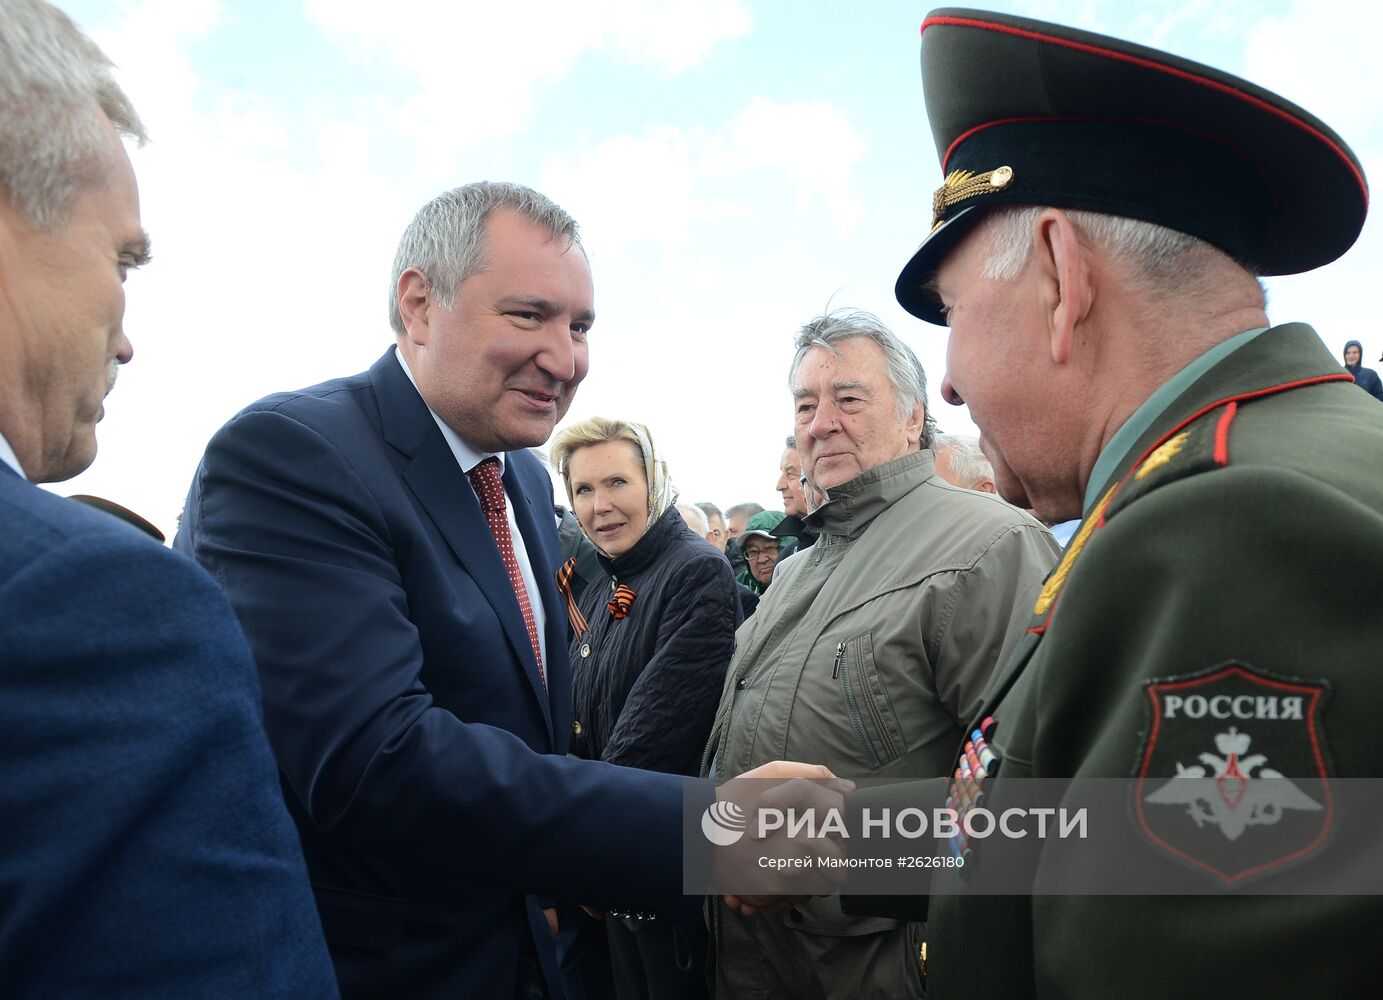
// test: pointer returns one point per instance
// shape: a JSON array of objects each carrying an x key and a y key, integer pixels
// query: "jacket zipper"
[
  {"x": 885, "y": 739},
  {"x": 871, "y": 757}
]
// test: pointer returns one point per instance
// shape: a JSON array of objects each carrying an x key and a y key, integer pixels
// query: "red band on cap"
[{"x": 965, "y": 22}]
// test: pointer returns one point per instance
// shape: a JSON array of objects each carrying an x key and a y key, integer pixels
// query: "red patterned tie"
[{"x": 490, "y": 488}]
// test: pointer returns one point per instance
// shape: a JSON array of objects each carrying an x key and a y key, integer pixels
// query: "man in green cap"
[
  {"x": 1106, "y": 213},
  {"x": 761, "y": 549}
]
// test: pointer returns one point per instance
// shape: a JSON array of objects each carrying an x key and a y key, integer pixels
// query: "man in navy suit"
[
  {"x": 412, "y": 646},
  {"x": 144, "y": 849}
]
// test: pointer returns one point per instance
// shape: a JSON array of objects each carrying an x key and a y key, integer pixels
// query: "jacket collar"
[
  {"x": 854, "y": 504},
  {"x": 1282, "y": 356},
  {"x": 647, "y": 550}
]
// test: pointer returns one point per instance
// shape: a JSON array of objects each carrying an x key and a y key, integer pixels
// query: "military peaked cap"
[{"x": 1029, "y": 113}]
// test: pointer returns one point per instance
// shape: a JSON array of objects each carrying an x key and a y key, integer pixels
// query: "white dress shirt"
[{"x": 8, "y": 456}]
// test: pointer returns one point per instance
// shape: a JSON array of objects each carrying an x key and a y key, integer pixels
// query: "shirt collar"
[
  {"x": 466, "y": 456},
  {"x": 1114, "y": 453},
  {"x": 8, "y": 456}
]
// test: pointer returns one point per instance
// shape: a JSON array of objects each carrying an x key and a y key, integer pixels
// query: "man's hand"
[
  {"x": 785, "y": 770},
  {"x": 800, "y": 789},
  {"x": 752, "y": 906}
]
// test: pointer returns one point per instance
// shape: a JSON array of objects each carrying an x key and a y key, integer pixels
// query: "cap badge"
[{"x": 962, "y": 185}]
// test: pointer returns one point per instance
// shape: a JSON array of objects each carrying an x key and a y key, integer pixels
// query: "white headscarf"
[{"x": 661, "y": 493}]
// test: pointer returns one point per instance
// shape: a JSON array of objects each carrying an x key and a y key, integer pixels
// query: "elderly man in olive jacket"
[{"x": 872, "y": 648}]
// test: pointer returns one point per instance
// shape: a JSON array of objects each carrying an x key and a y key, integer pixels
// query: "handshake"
[{"x": 777, "y": 834}]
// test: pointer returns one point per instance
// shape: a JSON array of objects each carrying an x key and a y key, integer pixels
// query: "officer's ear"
[{"x": 1063, "y": 265}]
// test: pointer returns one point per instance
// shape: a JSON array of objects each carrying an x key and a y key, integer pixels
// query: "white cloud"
[
  {"x": 149, "y": 47},
  {"x": 272, "y": 243},
  {"x": 1342, "y": 82},
  {"x": 711, "y": 243},
  {"x": 812, "y": 144},
  {"x": 475, "y": 66},
  {"x": 675, "y": 36},
  {"x": 662, "y": 188}
]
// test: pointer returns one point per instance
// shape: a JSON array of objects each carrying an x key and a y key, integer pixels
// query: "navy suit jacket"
[
  {"x": 421, "y": 757},
  {"x": 144, "y": 847}
]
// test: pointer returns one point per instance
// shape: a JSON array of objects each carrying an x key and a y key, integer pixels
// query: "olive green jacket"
[
  {"x": 867, "y": 654},
  {"x": 1243, "y": 536}
]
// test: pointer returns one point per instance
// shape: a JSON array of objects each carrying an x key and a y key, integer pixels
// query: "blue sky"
[{"x": 736, "y": 167}]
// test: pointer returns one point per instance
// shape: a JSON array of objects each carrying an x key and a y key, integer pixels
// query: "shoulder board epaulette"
[
  {"x": 1196, "y": 446},
  {"x": 1200, "y": 443},
  {"x": 1200, "y": 446}
]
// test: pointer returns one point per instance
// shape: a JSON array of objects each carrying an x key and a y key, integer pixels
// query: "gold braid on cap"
[{"x": 962, "y": 185}]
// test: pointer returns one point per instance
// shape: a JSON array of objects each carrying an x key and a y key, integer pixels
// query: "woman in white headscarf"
[{"x": 649, "y": 652}]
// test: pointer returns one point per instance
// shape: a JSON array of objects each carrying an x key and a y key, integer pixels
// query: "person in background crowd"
[
  {"x": 648, "y": 657},
  {"x": 1365, "y": 378},
  {"x": 762, "y": 549},
  {"x": 736, "y": 518},
  {"x": 580, "y": 567},
  {"x": 792, "y": 485},
  {"x": 789, "y": 483},
  {"x": 717, "y": 537},
  {"x": 872, "y": 645},
  {"x": 715, "y": 525},
  {"x": 960, "y": 462},
  {"x": 144, "y": 847},
  {"x": 695, "y": 520}
]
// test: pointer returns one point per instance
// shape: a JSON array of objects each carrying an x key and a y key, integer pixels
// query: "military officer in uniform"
[{"x": 1105, "y": 215}]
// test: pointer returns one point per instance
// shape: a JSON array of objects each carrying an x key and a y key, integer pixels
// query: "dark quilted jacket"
[{"x": 646, "y": 688}]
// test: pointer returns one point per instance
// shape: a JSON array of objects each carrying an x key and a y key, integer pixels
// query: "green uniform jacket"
[{"x": 1241, "y": 544}]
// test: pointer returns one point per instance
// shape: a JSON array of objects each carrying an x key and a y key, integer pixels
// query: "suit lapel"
[{"x": 441, "y": 488}]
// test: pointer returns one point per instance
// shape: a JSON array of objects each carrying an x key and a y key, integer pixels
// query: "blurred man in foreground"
[{"x": 145, "y": 850}]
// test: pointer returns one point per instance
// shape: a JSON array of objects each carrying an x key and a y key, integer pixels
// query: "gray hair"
[
  {"x": 56, "y": 95},
  {"x": 966, "y": 460},
  {"x": 446, "y": 239},
  {"x": 711, "y": 510},
  {"x": 695, "y": 518},
  {"x": 1166, "y": 259},
  {"x": 904, "y": 370},
  {"x": 748, "y": 509}
]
